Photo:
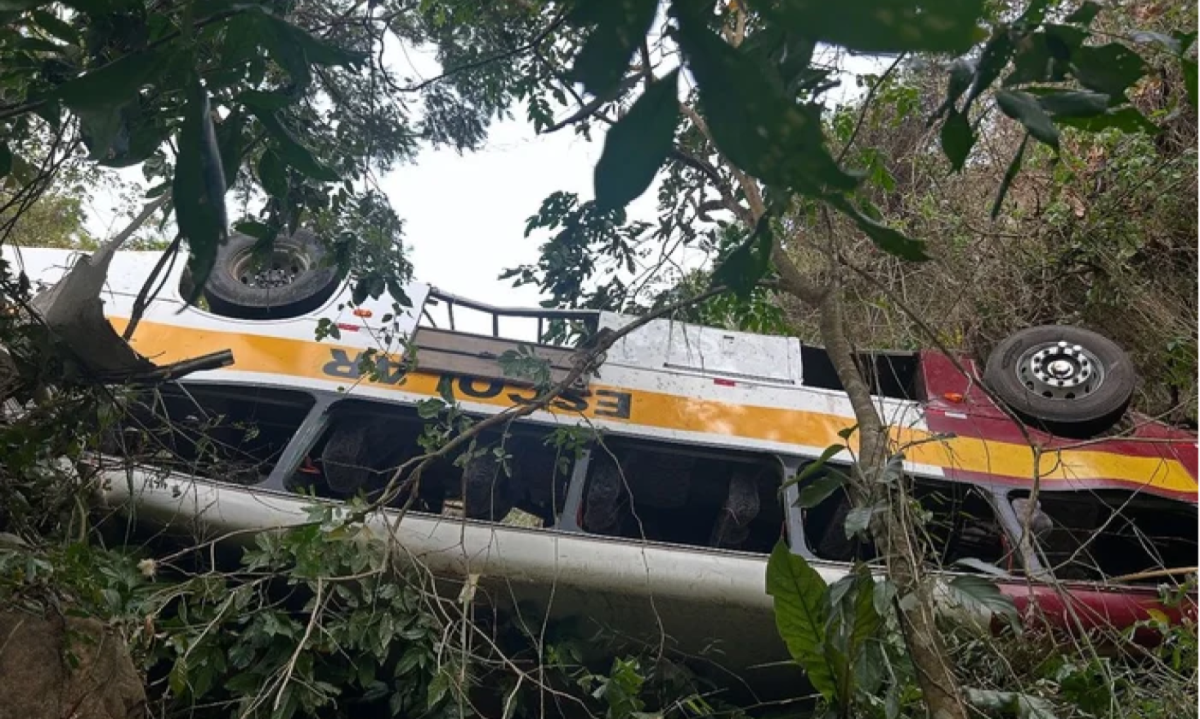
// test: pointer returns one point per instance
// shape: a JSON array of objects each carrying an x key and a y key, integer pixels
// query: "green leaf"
[
  {"x": 815, "y": 465},
  {"x": 1074, "y": 103},
  {"x": 1110, "y": 69},
  {"x": 56, "y": 26},
  {"x": 887, "y": 25},
  {"x": 637, "y": 145},
  {"x": 232, "y": 145},
  {"x": 800, "y": 613},
  {"x": 6, "y": 160},
  {"x": 980, "y": 594},
  {"x": 992, "y": 61},
  {"x": 741, "y": 270},
  {"x": 1010, "y": 174},
  {"x": 198, "y": 189},
  {"x": 35, "y": 44},
  {"x": 753, "y": 124},
  {"x": 272, "y": 174},
  {"x": 1024, "y": 108},
  {"x": 437, "y": 689},
  {"x": 981, "y": 566},
  {"x": 1024, "y": 706},
  {"x": 882, "y": 595},
  {"x": 177, "y": 679},
  {"x": 961, "y": 73},
  {"x": 1037, "y": 60},
  {"x": 620, "y": 26},
  {"x": 1084, "y": 14},
  {"x": 885, "y": 238},
  {"x": 316, "y": 50},
  {"x": 957, "y": 139},
  {"x": 858, "y": 520},
  {"x": 1125, "y": 119},
  {"x": 820, "y": 488},
  {"x": 291, "y": 151},
  {"x": 112, "y": 85}
]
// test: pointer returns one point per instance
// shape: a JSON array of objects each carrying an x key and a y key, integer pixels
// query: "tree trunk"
[{"x": 896, "y": 538}]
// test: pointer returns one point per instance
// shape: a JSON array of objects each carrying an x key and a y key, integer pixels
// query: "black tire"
[
  {"x": 1080, "y": 386},
  {"x": 301, "y": 283}
]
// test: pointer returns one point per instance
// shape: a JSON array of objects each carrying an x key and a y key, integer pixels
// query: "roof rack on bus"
[{"x": 589, "y": 318}]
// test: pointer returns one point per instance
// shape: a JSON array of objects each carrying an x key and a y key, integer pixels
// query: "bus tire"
[
  {"x": 293, "y": 282},
  {"x": 1065, "y": 380}
]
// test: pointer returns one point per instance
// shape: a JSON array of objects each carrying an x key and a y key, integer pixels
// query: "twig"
[
  {"x": 862, "y": 116},
  {"x": 312, "y": 622}
]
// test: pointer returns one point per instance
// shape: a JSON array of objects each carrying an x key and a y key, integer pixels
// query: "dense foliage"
[{"x": 1029, "y": 131}]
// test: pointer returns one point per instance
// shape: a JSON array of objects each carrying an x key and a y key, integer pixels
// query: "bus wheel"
[
  {"x": 292, "y": 281},
  {"x": 1066, "y": 380}
]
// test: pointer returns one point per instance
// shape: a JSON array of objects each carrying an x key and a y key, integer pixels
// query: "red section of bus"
[{"x": 956, "y": 403}]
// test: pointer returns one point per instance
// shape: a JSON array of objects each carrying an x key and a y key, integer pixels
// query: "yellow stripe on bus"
[{"x": 165, "y": 343}]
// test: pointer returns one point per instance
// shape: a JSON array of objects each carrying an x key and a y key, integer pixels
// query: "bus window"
[
  {"x": 518, "y": 478},
  {"x": 959, "y": 524},
  {"x": 229, "y": 432},
  {"x": 660, "y": 493},
  {"x": 1098, "y": 535}
]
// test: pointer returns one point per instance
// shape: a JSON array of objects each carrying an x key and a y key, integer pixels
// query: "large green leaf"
[
  {"x": 961, "y": 73},
  {"x": 1014, "y": 167},
  {"x": 620, "y": 25},
  {"x": 1024, "y": 108},
  {"x": 1073, "y": 103},
  {"x": 979, "y": 594},
  {"x": 114, "y": 84},
  {"x": 637, "y": 145},
  {"x": 888, "y": 239},
  {"x": 291, "y": 151},
  {"x": 1125, "y": 119},
  {"x": 800, "y": 613},
  {"x": 56, "y": 26},
  {"x": 6, "y": 160},
  {"x": 814, "y": 466},
  {"x": 198, "y": 189},
  {"x": 232, "y": 144},
  {"x": 1024, "y": 706},
  {"x": 957, "y": 139},
  {"x": 1038, "y": 60},
  {"x": 753, "y": 124},
  {"x": 886, "y": 25},
  {"x": 741, "y": 270},
  {"x": 1084, "y": 14},
  {"x": 1110, "y": 69}
]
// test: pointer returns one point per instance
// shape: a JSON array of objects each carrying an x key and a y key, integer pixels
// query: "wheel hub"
[
  {"x": 279, "y": 270},
  {"x": 1060, "y": 370}
]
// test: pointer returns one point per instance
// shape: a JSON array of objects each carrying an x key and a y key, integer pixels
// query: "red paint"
[
  {"x": 725, "y": 382},
  {"x": 1076, "y": 608},
  {"x": 940, "y": 378},
  {"x": 347, "y": 326}
]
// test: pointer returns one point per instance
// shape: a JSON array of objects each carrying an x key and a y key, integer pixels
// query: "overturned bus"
[{"x": 648, "y": 495}]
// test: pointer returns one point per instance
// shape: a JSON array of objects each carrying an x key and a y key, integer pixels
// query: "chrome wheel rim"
[{"x": 1060, "y": 370}]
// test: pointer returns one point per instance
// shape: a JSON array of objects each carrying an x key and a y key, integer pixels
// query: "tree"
[
  {"x": 753, "y": 136},
  {"x": 293, "y": 105}
]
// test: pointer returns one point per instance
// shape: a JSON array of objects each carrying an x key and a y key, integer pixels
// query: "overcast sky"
[{"x": 465, "y": 214}]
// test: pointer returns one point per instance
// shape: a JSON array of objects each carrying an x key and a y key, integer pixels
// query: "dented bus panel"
[{"x": 667, "y": 522}]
